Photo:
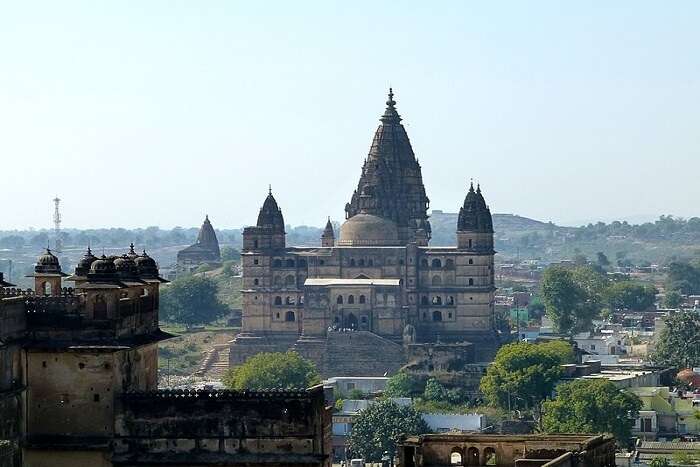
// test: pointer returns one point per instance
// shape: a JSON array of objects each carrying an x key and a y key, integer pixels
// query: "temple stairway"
[{"x": 357, "y": 353}]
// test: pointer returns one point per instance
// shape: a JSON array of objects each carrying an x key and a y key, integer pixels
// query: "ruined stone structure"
[
  {"x": 78, "y": 382},
  {"x": 379, "y": 279},
  {"x": 569, "y": 450},
  {"x": 204, "y": 251}
]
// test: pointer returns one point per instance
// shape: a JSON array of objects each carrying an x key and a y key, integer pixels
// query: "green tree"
[
  {"x": 524, "y": 374},
  {"x": 378, "y": 428},
  {"x": 191, "y": 300},
  {"x": 572, "y": 297},
  {"x": 660, "y": 462},
  {"x": 269, "y": 370},
  {"x": 434, "y": 391},
  {"x": 684, "y": 277},
  {"x": 592, "y": 406},
  {"x": 229, "y": 253},
  {"x": 400, "y": 385},
  {"x": 602, "y": 260},
  {"x": 678, "y": 343},
  {"x": 673, "y": 299},
  {"x": 628, "y": 295}
]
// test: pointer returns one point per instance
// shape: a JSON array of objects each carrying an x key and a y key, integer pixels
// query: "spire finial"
[
  {"x": 471, "y": 184},
  {"x": 206, "y": 217},
  {"x": 269, "y": 189},
  {"x": 391, "y": 102}
]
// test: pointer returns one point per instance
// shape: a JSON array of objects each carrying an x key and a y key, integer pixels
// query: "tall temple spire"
[{"x": 391, "y": 184}]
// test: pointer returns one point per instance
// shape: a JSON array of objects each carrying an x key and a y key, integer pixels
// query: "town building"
[
  {"x": 78, "y": 382},
  {"x": 378, "y": 285},
  {"x": 205, "y": 251},
  {"x": 666, "y": 414}
]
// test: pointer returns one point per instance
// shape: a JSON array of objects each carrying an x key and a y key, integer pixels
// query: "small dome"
[
  {"x": 125, "y": 265},
  {"x": 47, "y": 263},
  {"x": 87, "y": 260},
  {"x": 146, "y": 265},
  {"x": 368, "y": 230},
  {"x": 103, "y": 265}
]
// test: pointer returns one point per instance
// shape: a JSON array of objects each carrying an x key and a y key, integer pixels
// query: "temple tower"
[
  {"x": 391, "y": 184},
  {"x": 328, "y": 235}
]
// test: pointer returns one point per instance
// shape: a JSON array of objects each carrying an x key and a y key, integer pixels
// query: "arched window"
[
  {"x": 289, "y": 263},
  {"x": 302, "y": 263},
  {"x": 469, "y": 243},
  {"x": 352, "y": 262},
  {"x": 100, "y": 310},
  {"x": 437, "y": 280},
  {"x": 339, "y": 300},
  {"x": 363, "y": 320},
  {"x": 255, "y": 244},
  {"x": 277, "y": 315},
  {"x": 471, "y": 261},
  {"x": 277, "y": 263},
  {"x": 472, "y": 456},
  {"x": 351, "y": 299},
  {"x": 361, "y": 262},
  {"x": 471, "y": 281},
  {"x": 289, "y": 316},
  {"x": 437, "y": 315},
  {"x": 256, "y": 282},
  {"x": 289, "y": 301},
  {"x": 436, "y": 263},
  {"x": 278, "y": 280},
  {"x": 424, "y": 263},
  {"x": 437, "y": 300},
  {"x": 278, "y": 300},
  {"x": 425, "y": 316},
  {"x": 424, "y": 300},
  {"x": 290, "y": 280},
  {"x": 456, "y": 457},
  {"x": 450, "y": 300},
  {"x": 449, "y": 264},
  {"x": 362, "y": 299},
  {"x": 490, "y": 456},
  {"x": 46, "y": 288}
]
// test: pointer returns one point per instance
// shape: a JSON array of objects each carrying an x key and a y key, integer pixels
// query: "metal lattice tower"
[{"x": 57, "y": 225}]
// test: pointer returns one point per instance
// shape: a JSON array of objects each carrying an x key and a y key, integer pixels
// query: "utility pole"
[{"x": 58, "y": 244}]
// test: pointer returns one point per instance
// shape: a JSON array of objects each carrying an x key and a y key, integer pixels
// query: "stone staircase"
[
  {"x": 357, "y": 353},
  {"x": 215, "y": 362}
]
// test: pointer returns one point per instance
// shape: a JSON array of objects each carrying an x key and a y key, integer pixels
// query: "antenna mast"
[{"x": 58, "y": 244}]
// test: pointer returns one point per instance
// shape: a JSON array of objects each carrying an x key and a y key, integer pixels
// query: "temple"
[
  {"x": 379, "y": 279},
  {"x": 205, "y": 251}
]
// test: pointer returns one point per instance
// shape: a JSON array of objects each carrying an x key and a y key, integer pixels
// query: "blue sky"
[{"x": 154, "y": 113}]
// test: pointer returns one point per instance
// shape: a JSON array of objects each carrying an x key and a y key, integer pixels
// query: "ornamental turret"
[
  {"x": 268, "y": 233},
  {"x": 474, "y": 224},
  {"x": 328, "y": 235}
]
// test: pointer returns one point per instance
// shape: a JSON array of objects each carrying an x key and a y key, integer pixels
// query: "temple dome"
[
  {"x": 103, "y": 265},
  {"x": 47, "y": 263},
  {"x": 368, "y": 230}
]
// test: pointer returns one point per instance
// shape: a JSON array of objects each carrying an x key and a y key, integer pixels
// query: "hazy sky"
[{"x": 141, "y": 113}]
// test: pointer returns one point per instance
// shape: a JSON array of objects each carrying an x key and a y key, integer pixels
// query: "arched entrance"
[
  {"x": 351, "y": 321},
  {"x": 472, "y": 456}
]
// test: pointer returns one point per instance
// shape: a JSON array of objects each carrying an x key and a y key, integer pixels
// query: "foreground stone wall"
[
  {"x": 223, "y": 428},
  {"x": 508, "y": 451}
]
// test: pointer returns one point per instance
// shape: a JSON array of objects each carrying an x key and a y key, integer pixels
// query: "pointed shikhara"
[
  {"x": 391, "y": 184},
  {"x": 204, "y": 251}
]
